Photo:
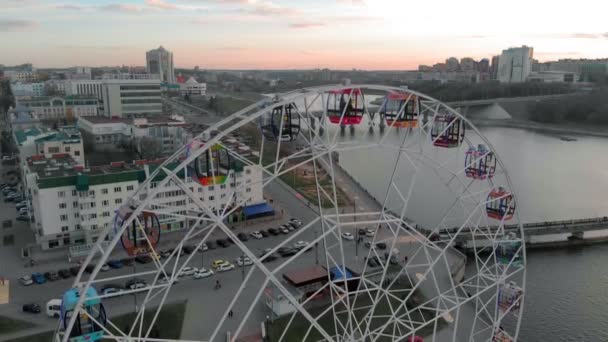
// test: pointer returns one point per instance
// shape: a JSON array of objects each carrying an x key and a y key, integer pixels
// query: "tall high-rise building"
[
  {"x": 452, "y": 64},
  {"x": 160, "y": 62},
  {"x": 494, "y": 67},
  {"x": 515, "y": 64},
  {"x": 484, "y": 65}
]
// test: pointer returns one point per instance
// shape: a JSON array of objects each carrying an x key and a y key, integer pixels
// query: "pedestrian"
[
  {"x": 230, "y": 314},
  {"x": 405, "y": 259}
]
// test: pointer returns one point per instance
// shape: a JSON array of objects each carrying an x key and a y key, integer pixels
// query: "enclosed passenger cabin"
[
  {"x": 401, "y": 110},
  {"x": 508, "y": 250},
  {"x": 142, "y": 235},
  {"x": 282, "y": 123},
  {"x": 91, "y": 319},
  {"x": 500, "y": 204},
  {"x": 345, "y": 106},
  {"x": 448, "y": 131},
  {"x": 212, "y": 166},
  {"x": 479, "y": 162}
]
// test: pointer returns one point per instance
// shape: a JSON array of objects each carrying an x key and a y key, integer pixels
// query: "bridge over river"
[{"x": 574, "y": 227}]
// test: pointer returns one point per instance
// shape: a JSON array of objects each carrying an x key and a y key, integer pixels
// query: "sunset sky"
[{"x": 288, "y": 34}]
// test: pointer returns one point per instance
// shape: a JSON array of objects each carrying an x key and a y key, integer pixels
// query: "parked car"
[
  {"x": 217, "y": 262},
  {"x": 211, "y": 245},
  {"x": 143, "y": 259},
  {"x": 38, "y": 278},
  {"x": 203, "y": 248},
  {"x": 243, "y": 237},
  {"x": 203, "y": 273},
  {"x": 26, "y": 280},
  {"x": 111, "y": 289},
  {"x": 188, "y": 249},
  {"x": 348, "y": 236},
  {"x": 127, "y": 261},
  {"x": 165, "y": 253},
  {"x": 164, "y": 279},
  {"x": 89, "y": 269},
  {"x": 288, "y": 252},
  {"x": 264, "y": 233},
  {"x": 31, "y": 308},
  {"x": 51, "y": 276},
  {"x": 370, "y": 232},
  {"x": 53, "y": 308},
  {"x": 300, "y": 244},
  {"x": 381, "y": 245},
  {"x": 256, "y": 235},
  {"x": 296, "y": 221},
  {"x": 74, "y": 270},
  {"x": 273, "y": 231},
  {"x": 24, "y": 218},
  {"x": 222, "y": 243},
  {"x": 115, "y": 264},
  {"x": 269, "y": 258},
  {"x": 243, "y": 261},
  {"x": 371, "y": 262},
  {"x": 134, "y": 284},
  {"x": 104, "y": 268},
  {"x": 64, "y": 273},
  {"x": 361, "y": 232},
  {"x": 284, "y": 230},
  {"x": 187, "y": 271},
  {"x": 20, "y": 205},
  {"x": 224, "y": 267},
  {"x": 367, "y": 244}
]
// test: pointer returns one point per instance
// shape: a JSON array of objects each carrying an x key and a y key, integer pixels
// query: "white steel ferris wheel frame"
[{"x": 319, "y": 151}]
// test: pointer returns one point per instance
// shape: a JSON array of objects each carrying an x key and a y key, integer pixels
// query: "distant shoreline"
[{"x": 552, "y": 129}]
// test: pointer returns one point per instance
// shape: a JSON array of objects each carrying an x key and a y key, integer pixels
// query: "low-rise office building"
[
  {"x": 61, "y": 108},
  {"x": 47, "y": 142}
]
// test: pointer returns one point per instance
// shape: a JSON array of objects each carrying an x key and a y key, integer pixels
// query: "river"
[{"x": 567, "y": 289}]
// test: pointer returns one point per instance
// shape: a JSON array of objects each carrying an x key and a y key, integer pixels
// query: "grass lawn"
[
  {"x": 10, "y": 325},
  {"x": 168, "y": 324},
  {"x": 299, "y": 326}
]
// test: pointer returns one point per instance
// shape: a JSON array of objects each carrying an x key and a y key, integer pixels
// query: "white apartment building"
[
  {"x": 55, "y": 108},
  {"x": 48, "y": 143},
  {"x": 106, "y": 134},
  {"x": 515, "y": 64},
  {"x": 21, "y": 75},
  {"x": 193, "y": 87},
  {"x": 121, "y": 96},
  {"x": 27, "y": 89},
  {"x": 160, "y": 62},
  {"x": 70, "y": 204}
]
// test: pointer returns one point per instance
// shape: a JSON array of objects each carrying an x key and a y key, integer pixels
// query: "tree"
[{"x": 147, "y": 147}]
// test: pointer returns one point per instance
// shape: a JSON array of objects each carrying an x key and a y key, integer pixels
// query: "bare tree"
[{"x": 147, "y": 147}]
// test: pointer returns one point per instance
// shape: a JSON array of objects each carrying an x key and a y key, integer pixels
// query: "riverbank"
[{"x": 552, "y": 129}]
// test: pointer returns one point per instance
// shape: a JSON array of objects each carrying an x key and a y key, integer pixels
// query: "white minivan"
[{"x": 53, "y": 308}]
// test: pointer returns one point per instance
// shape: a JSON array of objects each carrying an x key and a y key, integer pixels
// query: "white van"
[{"x": 53, "y": 308}]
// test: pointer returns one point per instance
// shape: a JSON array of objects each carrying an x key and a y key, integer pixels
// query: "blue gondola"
[
  {"x": 282, "y": 123},
  {"x": 89, "y": 324},
  {"x": 479, "y": 162}
]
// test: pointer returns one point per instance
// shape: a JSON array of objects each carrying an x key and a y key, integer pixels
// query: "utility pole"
[
  {"x": 356, "y": 230},
  {"x": 316, "y": 249}
]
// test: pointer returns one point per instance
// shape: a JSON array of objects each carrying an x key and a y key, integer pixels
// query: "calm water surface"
[{"x": 567, "y": 289}]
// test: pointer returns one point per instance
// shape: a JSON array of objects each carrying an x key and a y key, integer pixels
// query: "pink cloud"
[
  {"x": 270, "y": 9},
  {"x": 161, "y": 4},
  {"x": 125, "y": 8},
  {"x": 304, "y": 25}
]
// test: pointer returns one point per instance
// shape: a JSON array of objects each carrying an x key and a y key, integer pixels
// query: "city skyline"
[{"x": 294, "y": 34}]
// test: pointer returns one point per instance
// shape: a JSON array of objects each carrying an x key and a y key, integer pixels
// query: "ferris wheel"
[{"x": 279, "y": 222}]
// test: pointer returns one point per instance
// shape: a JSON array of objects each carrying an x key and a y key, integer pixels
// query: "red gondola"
[
  {"x": 144, "y": 233},
  {"x": 345, "y": 106},
  {"x": 479, "y": 162},
  {"x": 500, "y": 204},
  {"x": 401, "y": 110},
  {"x": 448, "y": 131}
]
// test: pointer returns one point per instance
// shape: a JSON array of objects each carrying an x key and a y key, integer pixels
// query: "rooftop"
[
  {"x": 306, "y": 276},
  {"x": 104, "y": 119},
  {"x": 21, "y": 135}
]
